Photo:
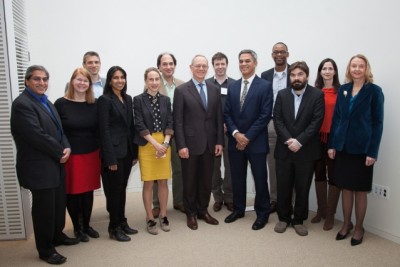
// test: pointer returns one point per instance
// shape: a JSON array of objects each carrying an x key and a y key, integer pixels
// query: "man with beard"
[
  {"x": 298, "y": 115},
  {"x": 280, "y": 79}
]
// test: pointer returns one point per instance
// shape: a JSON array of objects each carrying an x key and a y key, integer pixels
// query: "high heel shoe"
[
  {"x": 339, "y": 236},
  {"x": 119, "y": 235},
  {"x": 355, "y": 242}
]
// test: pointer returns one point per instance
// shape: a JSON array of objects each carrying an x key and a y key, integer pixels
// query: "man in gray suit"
[
  {"x": 166, "y": 63},
  {"x": 298, "y": 115},
  {"x": 199, "y": 136}
]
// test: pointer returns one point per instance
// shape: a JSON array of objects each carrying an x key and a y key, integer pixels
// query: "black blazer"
[
  {"x": 196, "y": 128},
  {"x": 305, "y": 127},
  {"x": 144, "y": 117},
  {"x": 36, "y": 136},
  {"x": 269, "y": 76},
  {"x": 116, "y": 127}
]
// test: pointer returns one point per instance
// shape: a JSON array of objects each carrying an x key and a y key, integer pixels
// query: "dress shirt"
[
  {"x": 279, "y": 81},
  {"x": 97, "y": 88},
  {"x": 297, "y": 100},
  {"x": 204, "y": 88}
]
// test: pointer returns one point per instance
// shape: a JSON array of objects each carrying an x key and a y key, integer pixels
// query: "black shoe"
[
  {"x": 339, "y": 236},
  {"x": 355, "y": 242},
  {"x": 54, "y": 258},
  {"x": 234, "y": 216},
  {"x": 81, "y": 236},
  {"x": 127, "y": 230},
  {"x": 91, "y": 232},
  {"x": 119, "y": 235},
  {"x": 66, "y": 241},
  {"x": 259, "y": 224}
]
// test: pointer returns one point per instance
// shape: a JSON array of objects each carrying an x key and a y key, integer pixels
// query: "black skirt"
[{"x": 351, "y": 173}]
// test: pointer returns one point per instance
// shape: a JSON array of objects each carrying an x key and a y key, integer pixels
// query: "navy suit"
[
  {"x": 251, "y": 121},
  {"x": 40, "y": 148}
]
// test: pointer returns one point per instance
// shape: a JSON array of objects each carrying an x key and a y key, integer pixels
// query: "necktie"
[
  {"x": 244, "y": 93},
  {"x": 203, "y": 95}
]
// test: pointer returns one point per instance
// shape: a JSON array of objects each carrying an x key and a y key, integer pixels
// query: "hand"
[
  {"x": 241, "y": 139},
  {"x": 160, "y": 150},
  {"x": 184, "y": 153},
  {"x": 369, "y": 161},
  {"x": 293, "y": 144},
  {"x": 66, "y": 154},
  {"x": 331, "y": 153},
  {"x": 240, "y": 147},
  {"x": 218, "y": 150},
  {"x": 113, "y": 167}
]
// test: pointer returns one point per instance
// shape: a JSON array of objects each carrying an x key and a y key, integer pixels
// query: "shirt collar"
[{"x": 41, "y": 98}]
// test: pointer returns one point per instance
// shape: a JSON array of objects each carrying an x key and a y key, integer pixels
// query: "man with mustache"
[{"x": 298, "y": 115}]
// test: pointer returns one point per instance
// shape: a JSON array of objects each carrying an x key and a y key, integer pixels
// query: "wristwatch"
[{"x": 165, "y": 144}]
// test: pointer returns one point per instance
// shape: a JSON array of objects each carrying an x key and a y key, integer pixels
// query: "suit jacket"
[
  {"x": 269, "y": 76},
  {"x": 144, "y": 118},
  {"x": 197, "y": 128},
  {"x": 254, "y": 117},
  {"x": 116, "y": 127},
  {"x": 359, "y": 130},
  {"x": 36, "y": 136},
  {"x": 305, "y": 127}
]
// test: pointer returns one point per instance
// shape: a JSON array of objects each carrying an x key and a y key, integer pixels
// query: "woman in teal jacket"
[{"x": 356, "y": 133}]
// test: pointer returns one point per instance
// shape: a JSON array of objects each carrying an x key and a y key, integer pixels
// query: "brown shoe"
[
  {"x": 192, "y": 222},
  {"x": 208, "y": 218},
  {"x": 156, "y": 212},
  {"x": 179, "y": 207},
  {"x": 229, "y": 206},
  {"x": 217, "y": 206}
]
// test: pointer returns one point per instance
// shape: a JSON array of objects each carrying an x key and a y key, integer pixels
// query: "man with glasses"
[
  {"x": 42, "y": 150},
  {"x": 280, "y": 79},
  {"x": 199, "y": 137}
]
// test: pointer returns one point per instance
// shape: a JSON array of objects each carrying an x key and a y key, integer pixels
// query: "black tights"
[{"x": 80, "y": 205}]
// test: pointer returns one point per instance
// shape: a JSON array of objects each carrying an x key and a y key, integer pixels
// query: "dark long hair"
[
  {"x": 319, "y": 82},
  {"x": 110, "y": 74}
]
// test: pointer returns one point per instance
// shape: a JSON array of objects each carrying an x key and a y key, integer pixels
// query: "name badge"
[{"x": 224, "y": 91}]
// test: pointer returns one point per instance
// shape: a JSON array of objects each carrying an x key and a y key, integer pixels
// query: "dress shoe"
[
  {"x": 164, "y": 224},
  {"x": 192, "y": 222},
  {"x": 151, "y": 226},
  {"x": 300, "y": 229},
  {"x": 91, "y": 232},
  {"x": 179, "y": 207},
  {"x": 208, "y": 218},
  {"x": 217, "y": 206},
  {"x": 234, "y": 216},
  {"x": 272, "y": 207},
  {"x": 54, "y": 258},
  {"x": 66, "y": 241},
  {"x": 81, "y": 236},
  {"x": 229, "y": 206},
  {"x": 340, "y": 236},
  {"x": 127, "y": 230},
  {"x": 356, "y": 242},
  {"x": 259, "y": 224},
  {"x": 119, "y": 235},
  {"x": 156, "y": 212}
]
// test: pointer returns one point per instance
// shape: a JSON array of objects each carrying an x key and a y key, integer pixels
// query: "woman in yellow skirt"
[{"x": 154, "y": 128}]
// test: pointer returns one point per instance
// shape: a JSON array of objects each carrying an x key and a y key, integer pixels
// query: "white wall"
[{"x": 132, "y": 33}]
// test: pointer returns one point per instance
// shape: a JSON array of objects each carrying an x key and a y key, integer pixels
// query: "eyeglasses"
[
  {"x": 38, "y": 79},
  {"x": 81, "y": 81},
  {"x": 201, "y": 66},
  {"x": 279, "y": 52}
]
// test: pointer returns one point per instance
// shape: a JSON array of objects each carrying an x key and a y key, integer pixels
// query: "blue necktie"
[{"x": 203, "y": 95}]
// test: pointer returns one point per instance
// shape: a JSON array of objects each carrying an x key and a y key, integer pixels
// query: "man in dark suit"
[
  {"x": 280, "y": 79},
  {"x": 42, "y": 150},
  {"x": 247, "y": 112},
  {"x": 298, "y": 115},
  {"x": 198, "y": 126},
  {"x": 222, "y": 185}
]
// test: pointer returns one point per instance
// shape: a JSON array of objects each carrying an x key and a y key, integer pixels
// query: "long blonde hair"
[
  {"x": 368, "y": 74},
  {"x": 89, "y": 92}
]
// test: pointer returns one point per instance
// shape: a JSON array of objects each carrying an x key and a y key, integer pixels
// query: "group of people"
[{"x": 184, "y": 130}]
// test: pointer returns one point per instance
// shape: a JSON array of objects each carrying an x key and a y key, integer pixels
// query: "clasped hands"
[
  {"x": 293, "y": 144},
  {"x": 160, "y": 150},
  {"x": 241, "y": 140},
  {"x": 184, "y": 152}
]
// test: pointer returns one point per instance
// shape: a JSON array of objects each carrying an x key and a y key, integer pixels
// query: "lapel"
[
  {"x": 146, "y": 103},
  {"x": 304, "y": 102},
  {"x": 193, "y": 90},
  {"x": 118, "y": 105},
  {"x": 54, "y": 118},
  {"x": 363, "y": 93}
]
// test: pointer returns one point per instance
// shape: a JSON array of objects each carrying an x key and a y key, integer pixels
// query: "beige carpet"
[{"x": 223, "y": 245}]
